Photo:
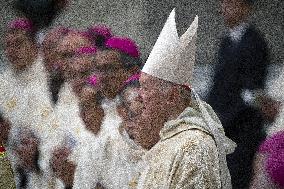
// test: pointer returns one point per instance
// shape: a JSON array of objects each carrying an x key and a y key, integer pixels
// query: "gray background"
[{"x": 143, "y": 20}]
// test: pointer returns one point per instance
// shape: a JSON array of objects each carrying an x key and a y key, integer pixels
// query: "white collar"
[
  {"x": 238, "y": 31},
  {"x": 111, "y": 120},
  {"x": 110, "y": 102}
]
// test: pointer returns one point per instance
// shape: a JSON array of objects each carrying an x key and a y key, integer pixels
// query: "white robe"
[
  {"x": 111, "y": 160},
  {"x": 73, "y": 132},
  {"x": 186, "y": 157},
  {"x": 274, "y": 89},
  {"x": 68, "y": 111}
]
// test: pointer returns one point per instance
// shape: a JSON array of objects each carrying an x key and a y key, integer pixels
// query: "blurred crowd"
[{"x": 80, "y": 109}]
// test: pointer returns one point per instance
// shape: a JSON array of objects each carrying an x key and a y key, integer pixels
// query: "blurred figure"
[
  {"x": 268, "y": 162},
  {"x": 66, "y": 50},
  {"x": 51, "y": 56},
  {"x": 116, "y": 63},
  {"x": 91, "y": 111},
  {"x": 25, "y": 151},
  {"x": 21, "y": 52},
  {"x": 24, "y": 89},
  {"x": 113, "y": 65},
  {"x": 21, "y": 49},
  {"x": 237, "y": 92},
  {"x": 121, "y": 167},
  {"x": 74, "y": 56}
]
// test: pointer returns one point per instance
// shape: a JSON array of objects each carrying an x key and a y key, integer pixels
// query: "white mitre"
[{"x": 172, "y": 58}]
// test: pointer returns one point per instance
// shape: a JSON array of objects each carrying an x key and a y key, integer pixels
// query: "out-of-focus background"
[{"x": 142, "y": 20}]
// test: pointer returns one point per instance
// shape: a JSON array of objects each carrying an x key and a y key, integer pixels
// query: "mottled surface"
[{"x": 6, "y": 175}]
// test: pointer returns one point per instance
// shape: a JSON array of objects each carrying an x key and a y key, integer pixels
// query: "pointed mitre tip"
[
  {"x": 195, "y": 21},
  {"x": 190, "y": 32},
  {"x": 194, "y": 24},
  {"x": 173, "y": 13}
]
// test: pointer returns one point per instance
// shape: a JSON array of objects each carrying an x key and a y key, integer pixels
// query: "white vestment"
[
  {"x": 185, "y": 157},
  {"x": 25, "y": 102},
  {"x": 72, "y": 131},
  {"x": 112, "y": 159}
]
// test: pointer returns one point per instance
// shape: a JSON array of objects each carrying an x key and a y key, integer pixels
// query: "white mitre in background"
[{"x": 173, "y": 58}]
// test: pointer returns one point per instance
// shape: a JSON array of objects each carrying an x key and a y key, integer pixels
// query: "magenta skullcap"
[
  {"x": 124, "y": 45},
  {"x": 93, "y": 80},
  {"x": 21, "y": 23},
  {"x": 273, "y": 143},
  {"x": 134, "y": 77},
  {"x": 274, "y": 165}
]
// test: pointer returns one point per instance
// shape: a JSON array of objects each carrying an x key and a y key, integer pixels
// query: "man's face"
[
  {"x": 154, "y": 98},
  {"x": 233, "y": 11},
  {"x": 112, "y": 72},
  {"x": 68, "y": 59},
  {"x": 19, "y": 48},
  {"x": 133, "y": 105}
]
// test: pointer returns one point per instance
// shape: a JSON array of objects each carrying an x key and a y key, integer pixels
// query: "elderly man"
[{"x": 185, "y": 140}]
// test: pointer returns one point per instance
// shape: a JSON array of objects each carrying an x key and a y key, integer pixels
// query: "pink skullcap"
[
  {"x": 272, "y": 144},
  {"x": 134, "y": 77},
  {"x": 89, "y": 50},
  {"x": 124, "y": 45},
  {"x": 100, "y": 30},
  {"x": 275, "y": 167},
  {"x": 21, "y": 23},
  {"x": 93, "y": 80}
]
